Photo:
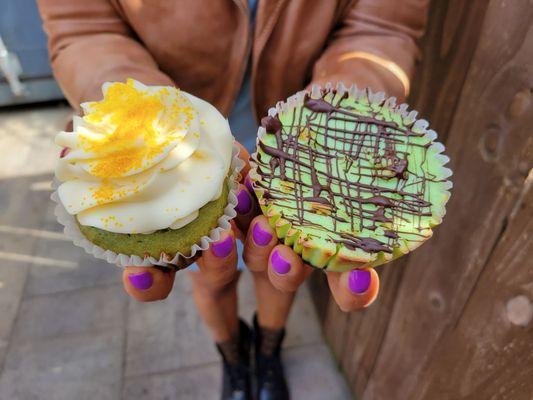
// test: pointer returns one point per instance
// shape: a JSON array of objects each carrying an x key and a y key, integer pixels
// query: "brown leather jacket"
[{"x": 203, "y": 46}]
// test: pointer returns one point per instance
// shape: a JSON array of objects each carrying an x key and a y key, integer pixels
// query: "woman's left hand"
[{"x": 352, "y": 290}]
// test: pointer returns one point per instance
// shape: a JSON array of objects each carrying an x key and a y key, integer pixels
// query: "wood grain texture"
[
  {"x": 442, "y": 325},
  {"x": 448, "y": 47},
  {"x": 366, "y": 329},
  {"x": 489, "y": 144},
  {"x": 488, "y": 354}
]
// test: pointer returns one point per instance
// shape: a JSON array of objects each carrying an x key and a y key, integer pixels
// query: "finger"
[
  {"x": 244, "y": 155},
  {"x": 260, "y": 240},
  {"x": 218, "y": 264},
  {"x": 286, "y": 269},
  {"x": 354, "y": 290},
  {"x": 246, "y": 208},
  {"x": 148, "y": 283}
]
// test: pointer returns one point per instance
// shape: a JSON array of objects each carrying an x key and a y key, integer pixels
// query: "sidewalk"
[{"x": 67, "y": 330}]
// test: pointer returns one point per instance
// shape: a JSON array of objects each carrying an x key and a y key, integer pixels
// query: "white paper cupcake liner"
[
  {"x": 179, "y": 260},
  {"x": 379, "y": 99}
]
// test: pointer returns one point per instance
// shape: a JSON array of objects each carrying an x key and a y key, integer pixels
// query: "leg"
[
  {"x": 217, "y": 305},
  {"x": 273, "y": 306},
  {"x": 215, "y": 288}
]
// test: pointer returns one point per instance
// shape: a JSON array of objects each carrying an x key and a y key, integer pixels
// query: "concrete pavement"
[{"x": 68, "y": 331}]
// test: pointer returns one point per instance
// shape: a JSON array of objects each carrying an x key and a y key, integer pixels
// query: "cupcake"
[
  {"x": 148, "y": 176},
  {"x": 348, "y": 179}
]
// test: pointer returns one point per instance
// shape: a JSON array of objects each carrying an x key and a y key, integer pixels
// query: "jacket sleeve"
[
  {"x": 89, "y": 43},
  {"x": 375, "y": 45}
]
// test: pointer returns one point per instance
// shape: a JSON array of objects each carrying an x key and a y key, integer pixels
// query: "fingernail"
[
  {"x": 223, "y": 248},
  {"x": 261, "y": 236},
  {"x": 64, "y": 152},
  {"x": 359, "y": 281},
  {"x": 141, "y": 281},
  {"x": 248, "y": 184},
  {"x": 244, "y": 204},
  {"x": 279, "y": 264}
]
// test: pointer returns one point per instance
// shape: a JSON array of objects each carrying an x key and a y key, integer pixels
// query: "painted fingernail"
[
  {"x": 244, "y": 204},
  {"x": 64, "y": 152},
  {"x": 141, "y": 281},
  {"x": 279, "y": 264},
  {"x": 261, "y": 236},
  {"x": 359, "y": 281},
  {"x": 223, "y": 248},
  {"x": 248, "y": 184}
]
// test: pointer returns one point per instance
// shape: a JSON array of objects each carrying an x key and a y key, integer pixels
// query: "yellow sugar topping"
[{"x": 136, "y": 127}]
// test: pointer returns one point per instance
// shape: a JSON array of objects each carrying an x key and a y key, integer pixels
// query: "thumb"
[{"x": 148, "y": 283}]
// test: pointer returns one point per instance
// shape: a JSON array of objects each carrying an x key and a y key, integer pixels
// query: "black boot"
[
  {"x": 236, "y": 365},
  {"x": 271, "y": 383}
]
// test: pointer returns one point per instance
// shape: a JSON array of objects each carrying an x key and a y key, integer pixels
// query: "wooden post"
[{"x": 454, "y": 319}]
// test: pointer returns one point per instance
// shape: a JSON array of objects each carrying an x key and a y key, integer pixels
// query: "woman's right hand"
[{"x": 218, "y": 264}]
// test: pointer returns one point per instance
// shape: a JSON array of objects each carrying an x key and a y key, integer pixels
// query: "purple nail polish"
[
  {"x": 64, "y": 152},
  {"x": 261, "y": 236},
  {"x": 279, "y": 264},
  {"x": 359, "y": 281},
  {"x": 248, "y": 184},
  {"x": 141, "y": 281},
  {"x": 222, "y": 248},
  {"x": 244, "y": 204}
]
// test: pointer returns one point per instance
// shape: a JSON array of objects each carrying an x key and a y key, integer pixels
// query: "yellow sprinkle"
[{"x": 134, "y": 138}]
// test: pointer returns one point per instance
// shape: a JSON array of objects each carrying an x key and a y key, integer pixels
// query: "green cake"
[
  {"x": 164, "y": 241},
  {"x": 348, "y": 179}
]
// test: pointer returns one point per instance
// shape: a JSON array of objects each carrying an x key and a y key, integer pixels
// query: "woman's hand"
[{"x": 286, "y": 270}]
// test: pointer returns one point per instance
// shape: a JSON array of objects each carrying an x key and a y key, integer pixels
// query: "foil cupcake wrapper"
[
  {"x": 402, "y": 111},
  {"x": 177, "y": 261}
]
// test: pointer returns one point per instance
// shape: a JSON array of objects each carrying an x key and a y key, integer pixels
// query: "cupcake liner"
[
  {"x": 331, "y": 257},
  {"x": 178, "y": 261}
]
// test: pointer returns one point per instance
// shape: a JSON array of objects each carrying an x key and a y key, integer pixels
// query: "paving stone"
[
  {"x": 187, "y": 384},
  {"x": 80, "y": 367},
  {"x": 12, "y": 280},
  {"x": 85, "y": 272},
  {"x": 167, "y": 335},
  {"x": 313, "y": 375},
  {"x": 74, "y": 322},
  {"x": 302, "y": 327},
  {"x": 73, "y": 312}
]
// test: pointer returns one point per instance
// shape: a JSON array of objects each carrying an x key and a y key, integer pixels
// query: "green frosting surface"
[
  {"x": 348, "y": 182},
  {"x": 168, "y": 241}
]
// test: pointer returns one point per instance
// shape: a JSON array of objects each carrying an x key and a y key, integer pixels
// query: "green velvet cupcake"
[
  {"x": 348, "y": 179},
  {"x": 164, "y": 242},
  {"x": 148, "y": 176}
]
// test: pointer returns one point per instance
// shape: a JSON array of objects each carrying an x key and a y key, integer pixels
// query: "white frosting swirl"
[{"x": 143, "y": 159}]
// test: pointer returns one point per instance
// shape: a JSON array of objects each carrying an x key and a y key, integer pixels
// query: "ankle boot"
[
  {"x": 236, "y": 365},
  {"x": 270, "y": 377}
]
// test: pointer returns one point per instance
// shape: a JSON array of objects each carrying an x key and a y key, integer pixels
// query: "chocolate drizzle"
[{"x": 320, "y": 162}]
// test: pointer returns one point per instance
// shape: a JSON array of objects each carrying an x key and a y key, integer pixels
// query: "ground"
[{"x": 67, "y": 329}]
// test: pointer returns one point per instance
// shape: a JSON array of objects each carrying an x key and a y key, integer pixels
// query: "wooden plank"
[
  {"x": 356, "y": 339},
  {"x": 448, "y": 47},
  {"x": 488, "y": 146},
  {"x": 366, "y": 329},
  {"x": 318, "y": 286},
  {"x": 493, "y": 340}
]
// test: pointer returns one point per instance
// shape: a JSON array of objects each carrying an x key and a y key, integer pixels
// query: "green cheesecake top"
[{"x": 359, "y": 179}]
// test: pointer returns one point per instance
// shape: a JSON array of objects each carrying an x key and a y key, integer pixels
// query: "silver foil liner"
[{"x": 178, "y": 261}]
